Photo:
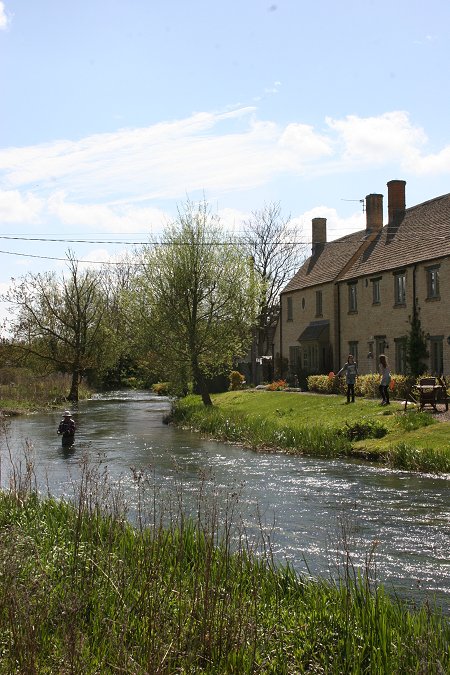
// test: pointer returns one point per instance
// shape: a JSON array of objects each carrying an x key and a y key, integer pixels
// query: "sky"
[{"x": 113, "y": 113}]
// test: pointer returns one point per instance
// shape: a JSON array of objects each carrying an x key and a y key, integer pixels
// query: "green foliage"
[
  {"x": 60, "y": 324},
  {"x": 22, "y": 389},
  {"x": 83, "y": 592},
  {"x": 365, "y": 386},
  {"x": 236, "y": 380},
  {"x": 412, "y": 420},
  {"x": 325, "y": 384},
  {"x": 358, "y": 431},
  {"x": 411, "y": 458},
  {"x": 196, "y": 299},
  {"x": 161, "y": 388}
]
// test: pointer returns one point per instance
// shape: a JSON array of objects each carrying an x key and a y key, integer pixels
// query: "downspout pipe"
[
  {"x": 414, "y": 292},
  {"x": 281, "y": 337},
  {"x": 338, "y": 326}
]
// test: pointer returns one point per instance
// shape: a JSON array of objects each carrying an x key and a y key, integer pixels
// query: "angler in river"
[{"x": 67, "y": 428}]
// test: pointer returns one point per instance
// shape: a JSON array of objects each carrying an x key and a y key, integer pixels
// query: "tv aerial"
[{"x": 361, "y": 201}]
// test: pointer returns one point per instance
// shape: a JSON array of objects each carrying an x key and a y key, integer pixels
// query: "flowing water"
[{"x": 309, "y": 505}]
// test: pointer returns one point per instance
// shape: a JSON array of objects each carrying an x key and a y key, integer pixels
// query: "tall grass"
[
  {"x": 409, "y": 457},
  {"x": 84, "y": 591},
  {"x": 22, "y": 389}
]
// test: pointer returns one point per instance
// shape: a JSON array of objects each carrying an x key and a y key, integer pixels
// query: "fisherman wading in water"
[{"x": 67, "y": 427}]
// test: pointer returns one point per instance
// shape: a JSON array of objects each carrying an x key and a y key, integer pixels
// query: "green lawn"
[{"x": 323, "y": 424}]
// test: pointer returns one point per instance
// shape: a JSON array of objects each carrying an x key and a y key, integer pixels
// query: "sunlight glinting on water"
[{"x": 307, "y": 506}]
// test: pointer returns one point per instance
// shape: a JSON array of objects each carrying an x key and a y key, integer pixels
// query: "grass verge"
[{"x": 322, "y": 425}]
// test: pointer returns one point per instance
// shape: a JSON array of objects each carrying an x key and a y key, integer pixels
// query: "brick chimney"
[
  {"x": 319, "y": 234},
  {"x": 374, "y": 213},
  {"x": 396, "y": 200}
]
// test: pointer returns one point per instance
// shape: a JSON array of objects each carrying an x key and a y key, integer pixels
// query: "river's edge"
[{"x": 377, "y": 438}]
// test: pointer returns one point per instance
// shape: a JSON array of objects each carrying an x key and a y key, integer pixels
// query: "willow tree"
[
  {"x": 59, "y": 323},
  {"x": 197, "y": 298}
]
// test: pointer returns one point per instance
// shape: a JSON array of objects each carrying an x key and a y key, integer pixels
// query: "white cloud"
[
  {"x": 211, "y": 152},
  {"x": 389, "y": 138},
  {"x": 438, "y": 163},
  {"x": 302, "y": 141},
  {"x": 115, "y": 219},
  {"x": 20, "y": 208},
  {"x": 233, "y": 219},
  {"x": 4, "y": 18},
  {"x": 378, "y": 140},
  {"x": 114, "y": 181}
]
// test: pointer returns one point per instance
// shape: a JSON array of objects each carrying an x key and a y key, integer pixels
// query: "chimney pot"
[
  {"x": 374, "y": 213},
  {"x": 396, "y": 199},
  {"x": 319, "y": 234}
]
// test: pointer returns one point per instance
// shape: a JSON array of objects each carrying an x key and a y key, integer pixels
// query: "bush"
[
  {"x": 359, "y": 431},
  {"x": 236, "y": 380},
  {"x": 324, "y": 384},
  {"x": 277, "y": 385},
  {"x": 161, "y": 388},
  {"x": 366, "y": 386}
]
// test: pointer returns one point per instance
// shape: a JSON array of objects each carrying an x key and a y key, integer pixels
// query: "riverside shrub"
[
  {"x": 366, "y": 386},
  {"x": 236, "y": 380},
  {"x": 277, "y": 385}
]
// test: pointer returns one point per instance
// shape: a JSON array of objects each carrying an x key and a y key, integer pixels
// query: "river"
[{"x": 306, "y": 503}]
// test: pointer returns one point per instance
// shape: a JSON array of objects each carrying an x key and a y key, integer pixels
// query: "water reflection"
[{"x": 304, "y": 502}]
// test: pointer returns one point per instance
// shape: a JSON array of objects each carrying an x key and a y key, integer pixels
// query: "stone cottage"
[{"x": 357, "y": 294}]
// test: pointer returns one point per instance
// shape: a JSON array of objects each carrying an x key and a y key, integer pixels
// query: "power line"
[{"x": 90, "y": 262}]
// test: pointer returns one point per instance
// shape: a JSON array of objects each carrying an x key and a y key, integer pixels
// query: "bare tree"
[
  {"x": 59, "y": 322},
  {"x": 274, "y": 243}
]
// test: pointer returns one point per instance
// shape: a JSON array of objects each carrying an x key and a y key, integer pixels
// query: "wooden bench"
[{"x": 429, "y": 392}]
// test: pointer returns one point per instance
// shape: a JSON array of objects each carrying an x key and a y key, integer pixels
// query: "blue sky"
[{"x": 113, "y": 113}]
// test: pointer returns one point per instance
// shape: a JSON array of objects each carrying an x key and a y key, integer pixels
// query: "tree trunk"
[
  {"x": 206, "y": 398},
  {"x": 199, "y": 380},
  {"x": 73, "y": 394}
]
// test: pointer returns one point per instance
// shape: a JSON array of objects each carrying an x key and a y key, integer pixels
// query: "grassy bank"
[
  {"x": 82, "y": 591},
  {"x": 322, "y": 425},
  {"x": 22, "y": 391}
]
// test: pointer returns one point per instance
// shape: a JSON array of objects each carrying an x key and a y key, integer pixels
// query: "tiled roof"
[
  {"x": 423, "y": 234},
  {"x": 326, "y": 264}
]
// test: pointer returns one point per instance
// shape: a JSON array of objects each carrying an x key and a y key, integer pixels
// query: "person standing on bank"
[
  {"x": 351, "y": 371},
  {"x": 383, "y": 367}
]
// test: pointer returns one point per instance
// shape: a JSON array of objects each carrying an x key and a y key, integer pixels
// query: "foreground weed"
[{"x": 96, "y": 585}]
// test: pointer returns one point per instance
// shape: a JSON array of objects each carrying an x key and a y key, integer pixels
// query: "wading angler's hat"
[{"x": 67, "y": 413}]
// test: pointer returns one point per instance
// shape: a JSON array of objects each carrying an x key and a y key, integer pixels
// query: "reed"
[
  {"x": 100, "y": 585},
  {"x": 409, "y": 457},
  {"x": 22, "y": 390}
]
